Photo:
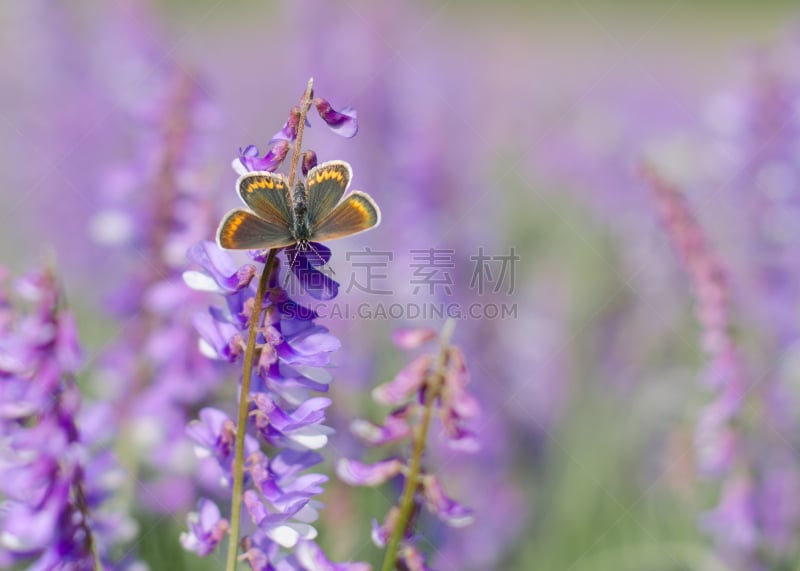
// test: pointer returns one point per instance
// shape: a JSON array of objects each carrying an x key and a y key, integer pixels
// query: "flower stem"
[
  {"x": 249, "y": 355},
  {"x": 305, "y": 105},
  {"x": 241, "y": 424},
  {"x": 433, "y": 388},
  {"x": 83, "y": 507}
]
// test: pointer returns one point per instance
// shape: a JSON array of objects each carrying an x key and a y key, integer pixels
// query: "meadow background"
[{"x": 522, "y": 125}]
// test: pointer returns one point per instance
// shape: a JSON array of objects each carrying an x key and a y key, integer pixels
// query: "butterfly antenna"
[
  {"x": 291, "y": 265},
  {"x": 310, "y": 245}
]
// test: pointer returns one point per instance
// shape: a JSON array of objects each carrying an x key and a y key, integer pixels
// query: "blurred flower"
[
  {"x": 56, "y": 475},
  {"x": 207, "y": 528},
  {"x": 718, "y": 438},
  {"x": 427, "y": 386},
  {"x": 155, "y": 208},
  {"x": 752, "y": 140}
]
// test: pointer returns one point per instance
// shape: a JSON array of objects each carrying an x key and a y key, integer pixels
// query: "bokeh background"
[{"x": 517, "y": 125}]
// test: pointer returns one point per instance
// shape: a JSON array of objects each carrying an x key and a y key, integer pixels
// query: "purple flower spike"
[
  {"x": 248, "y": 159},
  {"x": 419, "y": 391},
  {"x": 344, "y": 122},
  {"x": 358, "y": 474},
  {"x": 291, "y": 353},
  {"x": 54, "y": 477},
  {"x": 206, "y": 529}
]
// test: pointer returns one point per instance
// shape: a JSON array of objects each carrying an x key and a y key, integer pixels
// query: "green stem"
[
  {"x": 249, "y": 356},
  {"x": 433, "y": 387},
  {"x": 241, "y": 424}
]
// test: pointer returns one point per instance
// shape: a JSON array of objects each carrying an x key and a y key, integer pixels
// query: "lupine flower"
[
  {"x": 428, "y": 385},
  {"x": 54, "y": 482},
  {"x": 718, "y": 440},
  {"x": 753, "y": 142},
  {"x": 280, "y": 495},
  {"x": 158, "y": 207},
  {"x": 291, "y": 352},
  {"x": 280, "y": 412}
]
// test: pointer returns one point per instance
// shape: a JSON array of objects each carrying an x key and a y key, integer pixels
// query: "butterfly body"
[
  {"x": 314, "y": 212},
  {"x": 300, "y": 226}
]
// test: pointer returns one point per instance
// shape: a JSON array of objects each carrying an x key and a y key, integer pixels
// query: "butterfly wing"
[
  {"x": 243, "y": 230},
  {"x": 267, "y": 195},
  {"x": 326, "y": 184},
  {"x": 356, "y": 213}
]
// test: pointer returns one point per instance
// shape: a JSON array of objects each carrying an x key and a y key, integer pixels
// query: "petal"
[
  {"x": 309, "y": 161},
  {"x": 312, "y": 558},
  {"x": 359, "y": 474},
  {"x": 288, "y": 132},
  {"x": 344, "y": 122},
  {"x": 304, "y": 264},
  {"x": 206, "y": 529},
  {"x": 413, "y": 559},
  {"x": 250, "y": 160},
  {"x": 446, "y": 509},
  {"x": 219, "y": 265},
  {"x": 413, "y": 338},
  {"x": 406, "y": 383},
  {"x": 394, "y": 428},
  {"x": 288, "y": 535},
  {"x": 258, "y": 512}
]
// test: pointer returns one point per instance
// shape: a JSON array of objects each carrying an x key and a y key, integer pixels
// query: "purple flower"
[
  {"x": 405, "y": 384},
  {"x": 156, "y": 374},
  {"x": 733, "y": 521},
  {"x": 717, "y": 438},
  {"x": 292, "y": 351},
  {"x": 289, "y": 130},
  {"x": 413, "y": 338},
  {"x": 304, "y": 264},
  {"x": 394, "y": 428},
  {"x": 302, "y": 428},
  {"x": 309, "y": 161},
  {"x": 358, "y": 474},
  {"x": 412, "y": 558},
  {"x": 248, "y": 159},
  {"x": 312, "y": 558},
  {"x": 445, "y": 508},
  {"x": 55, "y": 479},
  {"x": 207, "y": 528},
  {"x": 215, "y": 436},
  {"x": 344, "y": 122},
  {"x": 221, "y": 275}
]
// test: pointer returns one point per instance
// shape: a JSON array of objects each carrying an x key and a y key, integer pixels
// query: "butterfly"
[{"x": 314, "y": 212}]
